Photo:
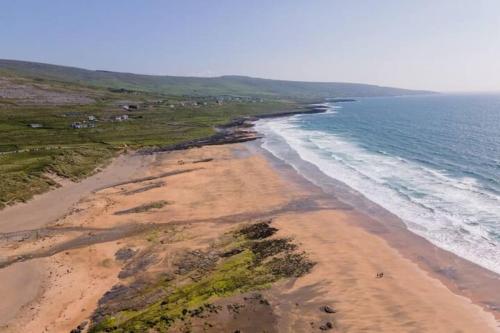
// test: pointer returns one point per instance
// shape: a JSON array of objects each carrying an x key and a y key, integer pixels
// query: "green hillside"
[
  {"x": 68, "y": 129},
  {"x": 67, "y": 121},
  {"x": 199, "y": 86}
]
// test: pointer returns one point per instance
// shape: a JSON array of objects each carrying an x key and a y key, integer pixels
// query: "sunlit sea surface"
[{"x": 433, "y": 160}]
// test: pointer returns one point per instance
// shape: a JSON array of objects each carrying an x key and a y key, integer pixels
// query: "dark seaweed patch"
[
  {"x": 270, "y": 247},
  {"x": 259, "y": 230},
  {"x": 290, "y": 265}
]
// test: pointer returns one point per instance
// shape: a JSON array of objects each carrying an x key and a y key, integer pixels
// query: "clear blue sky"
[{"x": 447, "y": 45}]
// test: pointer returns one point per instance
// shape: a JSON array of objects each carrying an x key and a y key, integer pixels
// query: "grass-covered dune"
[{"x": 202, "y": 86}]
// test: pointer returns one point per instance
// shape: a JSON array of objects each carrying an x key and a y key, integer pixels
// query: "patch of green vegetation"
[
  {"x": 235, "y": 275},
  {"x": 24, "y": 173},
  {"x": 26, "y": 186},
  {"x": 244, "y": 271},
  {"x": 76, "y": 164}
]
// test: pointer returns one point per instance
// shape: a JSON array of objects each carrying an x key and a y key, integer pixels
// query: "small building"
[
  {"x": 82, "y": 124},
  {"x": 92, "y": 118},
  {"x": 156, "y": 102},
  {"x": 34, "y": 125},
  {"x": 121, "y": 118},
  {"x": 130, "y": 107}
]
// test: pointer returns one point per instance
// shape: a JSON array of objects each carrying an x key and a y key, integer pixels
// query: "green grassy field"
[
  {"x": 28, "y": 154},
  {"x": 57, "y": 96}
]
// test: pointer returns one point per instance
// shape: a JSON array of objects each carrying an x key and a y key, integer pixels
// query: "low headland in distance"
[{"x": 155, "y": 210}]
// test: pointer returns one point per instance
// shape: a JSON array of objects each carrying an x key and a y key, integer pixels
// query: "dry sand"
[
  {"x": 406, "y": 299},
  {"x": 46, "y": 208},
  {"x": 75, "y": 262}
]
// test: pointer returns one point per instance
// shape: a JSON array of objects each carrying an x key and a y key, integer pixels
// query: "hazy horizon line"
[{"x": 254, "y": 77}]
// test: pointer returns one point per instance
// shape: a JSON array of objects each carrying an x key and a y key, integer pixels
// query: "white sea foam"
[{"x": 454, "y": 214}]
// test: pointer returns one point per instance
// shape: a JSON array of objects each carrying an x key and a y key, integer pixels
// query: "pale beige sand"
[
  {"x": 238, "y": 185},
  {"x": 406, "y": 299},
  {"x": 19, "y": 285},
  {"x": 49, "y": 207}
]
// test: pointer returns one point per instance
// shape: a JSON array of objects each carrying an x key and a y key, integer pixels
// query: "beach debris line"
[
  {"x": 143, "y": 208},
  {"x": 203, "y": 160},
  {"x": 145, "y": 188},
  {"x": 144, "y": 179}
]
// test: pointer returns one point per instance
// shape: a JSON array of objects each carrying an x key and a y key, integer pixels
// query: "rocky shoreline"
[
  {"x": 192, "y": 294},
  {"x": 236, "y": 131}
]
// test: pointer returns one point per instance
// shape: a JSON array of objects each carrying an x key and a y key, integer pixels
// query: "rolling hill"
[{"x": 199, "y": 86}]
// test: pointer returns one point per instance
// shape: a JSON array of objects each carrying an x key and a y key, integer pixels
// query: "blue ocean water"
[{"x": 433, "y": 160}]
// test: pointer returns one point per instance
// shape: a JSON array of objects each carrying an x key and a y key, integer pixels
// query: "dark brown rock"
[{"x": 327, "y": 309}]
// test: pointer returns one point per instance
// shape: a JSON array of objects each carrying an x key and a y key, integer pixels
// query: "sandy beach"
[
  {"x": 55, "y": 268},
  {"x": 53, "y": 205}
]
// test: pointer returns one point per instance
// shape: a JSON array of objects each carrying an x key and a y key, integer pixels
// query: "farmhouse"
[
  {"x": 121, "y": 118},
  {"x": 84, "y": 124},
  {"x": 130, "y": 107}
]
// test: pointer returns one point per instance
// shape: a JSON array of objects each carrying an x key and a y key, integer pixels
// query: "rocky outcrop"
[{"x": 236, "y": 131}]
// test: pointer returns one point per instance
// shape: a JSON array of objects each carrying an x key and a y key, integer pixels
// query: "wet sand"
[{"x": 239, "y": 184}]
